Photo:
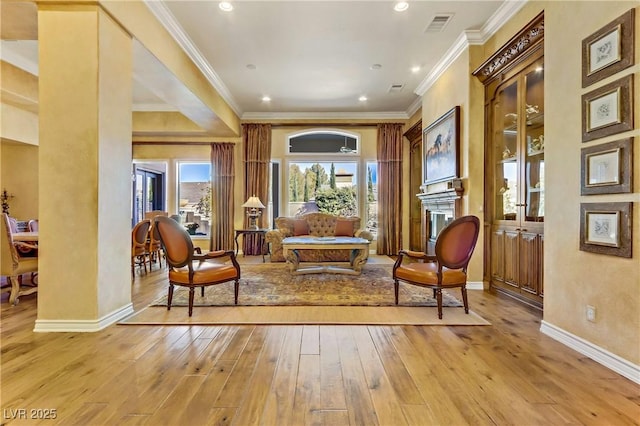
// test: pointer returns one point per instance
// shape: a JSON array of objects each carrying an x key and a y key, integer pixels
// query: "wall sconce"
[
  {"x": 5, "y": 198},
  {"x": 253, "y": 206}
]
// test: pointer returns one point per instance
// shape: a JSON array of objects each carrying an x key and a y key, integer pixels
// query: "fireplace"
[
  {"x": 438, "y": 220},
  {"x": 440, "y": 208}
]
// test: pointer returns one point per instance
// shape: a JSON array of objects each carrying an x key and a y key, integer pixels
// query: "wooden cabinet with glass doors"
[
  {"x": 516, "y": 153},
  {"x": 513, "y": 78}
]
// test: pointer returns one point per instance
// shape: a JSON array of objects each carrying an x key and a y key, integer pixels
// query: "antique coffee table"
[{"x": 359, "y": 247}]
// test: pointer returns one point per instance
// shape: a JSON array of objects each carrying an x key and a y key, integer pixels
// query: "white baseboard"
[
  {"x": 83, "y": 326},
  {"x": 602, "y": 356},
  {"x": 475, "y": 285}
]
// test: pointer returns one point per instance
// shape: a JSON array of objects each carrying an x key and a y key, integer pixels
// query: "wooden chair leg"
[
  {"x": 464, "y": 299},
  {"x": 235, "y": 290},
  {"x": 396, "y": 286},
  {"x": 439, "y": 299},
  {"x": 170, "y": 297},
  {"x": 191, "y": 293},
  {"x": 15, "y": 289}
]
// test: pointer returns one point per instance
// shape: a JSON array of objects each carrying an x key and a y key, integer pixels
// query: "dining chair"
[
  {"x": 190, "y": 268},
  {"x": 154, "y": 247},
  {"x": 33, "y": 225},
  {"x": 13, "y": 265},
  {"x": 448, "y": 268},
  {"x": 139, "y": 245},
  {"x": 153, "y": 213}
]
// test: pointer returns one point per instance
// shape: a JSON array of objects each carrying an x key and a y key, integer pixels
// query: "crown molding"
[
  {"x": 472, "y": 37},
  {"x": 10, "y": 55},
  {"x": 154, "y": 108},
  {"x": 415, "y": 106},
  {"x": 168, "y": 21},
  {"x": 247, "y": 116}
]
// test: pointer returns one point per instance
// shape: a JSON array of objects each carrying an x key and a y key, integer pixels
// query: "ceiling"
[{"x": 312, "y": 58}]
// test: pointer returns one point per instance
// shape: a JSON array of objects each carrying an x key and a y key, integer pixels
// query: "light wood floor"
[{"x": 507, "y": 373}]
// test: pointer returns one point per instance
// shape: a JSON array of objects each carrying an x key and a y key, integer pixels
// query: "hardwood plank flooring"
[{"x": 506, "y": 373}]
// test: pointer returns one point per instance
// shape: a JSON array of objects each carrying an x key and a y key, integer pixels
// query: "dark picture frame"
[
  {"x": 605, "y": 228},
  {"x": 609, "y": 50},
  {"x": 440, "y": 148},
  {"x": 607, "y": 168},
  {"x": 608, "y": 110}
]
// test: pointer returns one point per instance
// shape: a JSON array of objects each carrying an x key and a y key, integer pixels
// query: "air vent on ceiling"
[
  {"x": 438, "y": 22},
  {"x": 396, "y": 88}
]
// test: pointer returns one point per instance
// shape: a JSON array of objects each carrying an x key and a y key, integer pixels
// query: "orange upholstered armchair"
[
  {"x": 188, "y": 267},
  {"x": 448, "y": 268}
]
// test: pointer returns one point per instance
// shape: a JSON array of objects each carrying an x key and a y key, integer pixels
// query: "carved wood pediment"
[{"x": 515, "y": 49}]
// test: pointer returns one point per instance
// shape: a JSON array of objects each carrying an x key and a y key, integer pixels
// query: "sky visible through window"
[{"x": 195, "y": 172}]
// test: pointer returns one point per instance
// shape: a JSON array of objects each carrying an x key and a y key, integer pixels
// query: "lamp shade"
[{"x": 254, "y": 203}]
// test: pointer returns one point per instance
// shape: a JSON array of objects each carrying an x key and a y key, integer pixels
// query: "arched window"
[{"x": 324, "y": 142}]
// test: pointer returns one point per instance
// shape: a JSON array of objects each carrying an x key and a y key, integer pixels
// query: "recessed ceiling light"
[
  {"x": 266, "y": 99},
  {"x": 226, "y": 6},
  {"x": 415, "y": 69},
  {"x": 375, "y": 67},
  {"x": 362, "y": 98},
  {"x": 401, "y": 6}
]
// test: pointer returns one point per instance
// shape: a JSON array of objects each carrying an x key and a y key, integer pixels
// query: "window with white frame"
[
  {"x": 323, "y": 173},
  {"x": 194, "y": 197}
]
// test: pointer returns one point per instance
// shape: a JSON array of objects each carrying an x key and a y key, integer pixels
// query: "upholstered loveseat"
[{"x": 318, "y": 225}]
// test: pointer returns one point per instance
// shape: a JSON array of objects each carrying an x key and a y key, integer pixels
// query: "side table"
[{"x": 262, "y": 233}]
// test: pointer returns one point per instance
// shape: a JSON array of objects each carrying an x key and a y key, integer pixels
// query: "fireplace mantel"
[{"x": 439, "y": 209}]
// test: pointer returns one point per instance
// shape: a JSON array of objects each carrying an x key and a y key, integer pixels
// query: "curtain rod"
[
  {"x": 327, "y": 124},
  {"x": 174, "y": 143}
]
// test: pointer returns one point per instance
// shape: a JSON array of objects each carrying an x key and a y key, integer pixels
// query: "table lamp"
[{"x": 253, "y": 205}]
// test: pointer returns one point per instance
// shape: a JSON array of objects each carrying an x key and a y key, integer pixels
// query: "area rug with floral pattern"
[{"x": 273, "y": 285}]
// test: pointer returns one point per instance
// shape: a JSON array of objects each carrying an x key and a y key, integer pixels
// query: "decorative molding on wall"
[
  {"x": 13, "y": 56},
  {"x": 514, "y": 50},
  {"x": 83, "y": 326},
  {"x": 153, "y": 108},
  {"x": 415, "y": 106},
  {"x": 414, "y": 132},
  {"x": 166, "y": 18},
  {"x": 602, "y": 356},
  {"x": 467, "y": 38},
  {"x": 324, "y": 116}
]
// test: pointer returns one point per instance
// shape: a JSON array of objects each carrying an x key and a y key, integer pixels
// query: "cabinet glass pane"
[
  {"x": 505, "y": 153},
  {"x": 534, "y": 153}
]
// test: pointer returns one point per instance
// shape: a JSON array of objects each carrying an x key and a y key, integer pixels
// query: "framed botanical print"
[
  {"x": 605, "y": 228},
  {"x": 440, "y": 144},
  {"x": 607, "y": 168},
  {"x": 608, "y": 110},
  {"x": 609, "y": 50}
]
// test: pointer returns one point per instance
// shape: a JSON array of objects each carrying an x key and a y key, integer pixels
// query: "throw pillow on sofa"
[
  {"x": 344, "y": 228},
  {"x": 300, "y": 227}
]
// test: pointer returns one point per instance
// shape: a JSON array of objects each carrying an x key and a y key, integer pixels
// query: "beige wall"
[
  {"x": 20, "y": 178},
  {"x": 573, "y": 278},
  {"x": 456, "y": 87},
  {"x": 86, "y": 74}
]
